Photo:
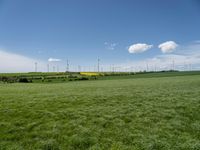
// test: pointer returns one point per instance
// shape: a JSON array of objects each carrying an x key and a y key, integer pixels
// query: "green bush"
[{"x": 23, "y": 80}]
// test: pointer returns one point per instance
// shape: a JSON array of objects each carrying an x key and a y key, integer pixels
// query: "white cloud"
[
  {"x": 54, "y": 60},
  {"x": 168, "y": 47},
  {"x": 162, "y": 62},
  {"x": 11, "y": 62},
  {"x": 186, "y": 57},
  {"x": 139, "y": 48},
  {"x": 110, "y": 46},
  {"x": 183, "y": 57}
]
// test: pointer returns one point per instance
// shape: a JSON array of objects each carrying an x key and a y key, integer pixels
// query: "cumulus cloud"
[
  {"x": 168, "y": 47},
  {"x": 162, "y": 62},
  {"x": 110, "y": 46},
  {"x": 11, "y": 62},
  {"x": 187, "y": 57},
  {"x": 54, "y": 60},
  {"x": 139, "y": 48}
]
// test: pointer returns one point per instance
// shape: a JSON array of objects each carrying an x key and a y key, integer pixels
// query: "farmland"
[
  {"x": 145, "y": 111},
  {"x": 60, "y": 77}
]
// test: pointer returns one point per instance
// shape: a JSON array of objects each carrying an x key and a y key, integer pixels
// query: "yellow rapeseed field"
[{"x": 90, "y": 73}]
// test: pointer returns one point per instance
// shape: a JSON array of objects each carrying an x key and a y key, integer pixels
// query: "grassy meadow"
[{"x": 144, "y": 113}]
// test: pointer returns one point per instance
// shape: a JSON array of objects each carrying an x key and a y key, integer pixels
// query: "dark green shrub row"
[
  {"x": 24, "y": 80},
  {"x": 79, "y": 79},
  {"x": 5, "y": 79}
]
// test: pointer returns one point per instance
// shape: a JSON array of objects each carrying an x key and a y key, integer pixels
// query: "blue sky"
[{"x": 83, "y": 30}]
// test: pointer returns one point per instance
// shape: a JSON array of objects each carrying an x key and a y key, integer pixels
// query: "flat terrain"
[{"x": 120, "y": 114}]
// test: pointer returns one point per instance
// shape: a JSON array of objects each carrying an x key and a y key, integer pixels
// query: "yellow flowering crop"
[{"x": 90, "y": 73}]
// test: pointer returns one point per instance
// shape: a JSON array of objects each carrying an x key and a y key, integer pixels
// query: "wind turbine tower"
[
  {"x": 67, "y": 69},
  {"x": 98, "y": 64},
  {"x": 47, "y": 67},
  {"x": 35, "y": 66}
]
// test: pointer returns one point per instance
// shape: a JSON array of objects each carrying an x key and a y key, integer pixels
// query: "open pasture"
[{"x": 120, "y": 114}]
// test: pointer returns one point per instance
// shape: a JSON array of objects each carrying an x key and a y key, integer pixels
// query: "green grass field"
[{"x": 157, "y": 113}]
